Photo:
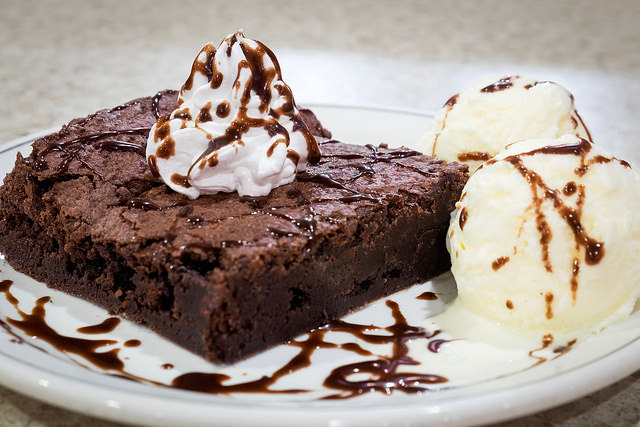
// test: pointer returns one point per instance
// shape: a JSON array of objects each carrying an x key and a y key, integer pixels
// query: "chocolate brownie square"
[{"x": 223, "y": 276}]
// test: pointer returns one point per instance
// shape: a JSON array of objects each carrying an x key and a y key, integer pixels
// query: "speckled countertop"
[{"x": 61, "y": 60}]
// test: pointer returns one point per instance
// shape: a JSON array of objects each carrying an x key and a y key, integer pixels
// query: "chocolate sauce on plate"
[
  {"x": 547, "y": 340},
  {"x": 107, "y": 325},
  {"x": 34, "y": 325},
  {"x": 385, "y": 377},
  {"x": 428, "y": 296},
  {"x": 434, "y": 345},
  {"x": 384, "y": 370}
]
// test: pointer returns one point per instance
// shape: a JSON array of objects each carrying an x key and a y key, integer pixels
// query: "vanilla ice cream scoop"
[
  {"x": 478, "y": 123},
  {"x": 236, "y": 127},
  {"x": 547, "y": 236}
]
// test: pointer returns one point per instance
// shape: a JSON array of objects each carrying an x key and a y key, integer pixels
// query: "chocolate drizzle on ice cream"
[
  {"x": 502, "y": 84},
  {"x": 547, "y": 208},
  {"x": 518, "y": 107},
  {"x": 594, "y": 250}
]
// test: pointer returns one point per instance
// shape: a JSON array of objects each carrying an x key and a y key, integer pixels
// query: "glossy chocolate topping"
[
  {"x": 108, "y": 325},
  {"x": 34, "y": 325},
  {"x": 346, "y": 189},
  {"x": 386, "y": 377},
  {"x": 499, "y": 262},
  {"x": 500, "y": 85},
  {"x": 428, "y": 296},
  {"x": 474, "y": 155},
  {"x": 594, "y": 250},
  {"x": 109, "y": 140}
]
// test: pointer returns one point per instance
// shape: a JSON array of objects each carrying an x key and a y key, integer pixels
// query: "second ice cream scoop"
[{"x": 479, "y": 122}]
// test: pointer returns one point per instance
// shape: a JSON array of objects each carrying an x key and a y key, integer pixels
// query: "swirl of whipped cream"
[{"x": 236, "y": 127}]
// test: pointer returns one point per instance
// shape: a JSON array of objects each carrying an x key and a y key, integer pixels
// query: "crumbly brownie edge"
[
  {"x": 256, "y": 315},
  {"x": 380, "y": 264}
]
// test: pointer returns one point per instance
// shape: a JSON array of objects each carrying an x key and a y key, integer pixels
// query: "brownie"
[{"x": 223, "y": 276}]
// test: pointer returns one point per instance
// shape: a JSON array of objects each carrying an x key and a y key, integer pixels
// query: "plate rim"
[
  {"x": 103, "y": 405},
  {"x": 62, "y": 391}
]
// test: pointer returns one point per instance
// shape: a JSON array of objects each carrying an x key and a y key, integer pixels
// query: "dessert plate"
[{"x": 443, "y": 365}]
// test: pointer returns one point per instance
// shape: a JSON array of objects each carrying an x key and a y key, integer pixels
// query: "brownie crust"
[{"x": 223, "y": 276}]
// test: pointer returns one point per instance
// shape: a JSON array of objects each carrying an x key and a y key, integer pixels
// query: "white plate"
[{"x": 491, "y": 373}]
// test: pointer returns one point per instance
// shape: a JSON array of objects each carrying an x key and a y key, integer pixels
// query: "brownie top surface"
[{"x": 95, "y": 174}]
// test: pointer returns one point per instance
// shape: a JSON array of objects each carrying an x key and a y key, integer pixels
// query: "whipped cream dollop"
[
  {"x": 236, "y": 128},
  {"x": 476, "y": 124}
]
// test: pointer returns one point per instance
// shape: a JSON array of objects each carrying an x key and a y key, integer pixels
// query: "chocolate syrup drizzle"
[
  {"x": 548, "y": 299},
  {"x": 499, "y": 262},
  {"x": 500, "y": 85},
  {"x": 367, "y": 168},
  {"x": 383, "y": 369},
  {"x": 105, "y": 140},
  {"x": 474, "y": 155},
  {"x": 148, "y": 205},
  {"x": 34, "y": 325},
  {"x": 564, "y": 348},
  {"x": 434, "y": 345},
  {"x": 547, "y": 341},
  {"x": 307, "y": 224},
  {"x": 427, "y": 296},
  {"x": 385, "y": 377},
  {"x": 594, "y": 250},
  {"x": 462, "y": 219},
  {"x": 108, "y": 325},
  {"x": 449, "y": 105}
]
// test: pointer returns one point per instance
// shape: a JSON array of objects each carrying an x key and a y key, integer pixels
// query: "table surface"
[{"x": 61, "y": 60}]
